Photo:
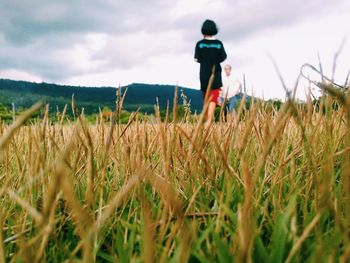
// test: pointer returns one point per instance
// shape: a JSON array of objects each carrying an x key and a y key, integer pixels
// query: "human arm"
[
  {"x": 197, "y": 54},
  {"x": 222, "y": 53},
  {"x": 238, "y": 87}
]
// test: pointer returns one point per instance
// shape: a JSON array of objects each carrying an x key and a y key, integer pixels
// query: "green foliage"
[
  {"x": 6, "y": 115},
  {"x": 144, "y": 96},
  {"x": 223, "y": 249}
]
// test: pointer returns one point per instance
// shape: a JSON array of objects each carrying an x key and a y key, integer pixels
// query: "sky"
[{"x": 116, "y": 43}]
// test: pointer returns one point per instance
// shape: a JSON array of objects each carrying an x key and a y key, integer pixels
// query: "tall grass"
[{"x": 267, "y": 186}]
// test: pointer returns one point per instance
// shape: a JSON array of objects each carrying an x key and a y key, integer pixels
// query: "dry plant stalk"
[{"x": 169, "y": 190}]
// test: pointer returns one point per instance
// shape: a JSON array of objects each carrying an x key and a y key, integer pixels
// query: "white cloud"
[
  {"x": 110, "y": 42},
  {"x": 193, "y": 7},
  {"x": 290, "y": 48},
  {"x": 19, "y": 75}
]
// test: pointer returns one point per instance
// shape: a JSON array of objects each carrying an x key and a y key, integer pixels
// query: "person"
[
  {"x": 209, "y": 53},
  {"x": 231, "y": 89}
]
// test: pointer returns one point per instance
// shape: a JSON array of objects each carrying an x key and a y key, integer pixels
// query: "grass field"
[{"x": 265, "y": 186}]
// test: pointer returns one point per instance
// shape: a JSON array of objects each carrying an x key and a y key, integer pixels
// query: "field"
[{"x": 267, "y": 185}]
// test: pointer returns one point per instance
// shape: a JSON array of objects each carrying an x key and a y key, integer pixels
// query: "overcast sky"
[{"x": 114, "y": 42}]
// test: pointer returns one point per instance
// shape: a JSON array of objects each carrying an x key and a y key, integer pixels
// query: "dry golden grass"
[{"x": 267, "y": 186}]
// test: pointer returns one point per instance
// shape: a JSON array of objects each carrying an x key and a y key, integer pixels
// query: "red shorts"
[{"x": 214, "y": 95}]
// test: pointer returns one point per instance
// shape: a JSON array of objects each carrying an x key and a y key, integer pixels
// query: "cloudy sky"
[{"x": 115, "y": 42}]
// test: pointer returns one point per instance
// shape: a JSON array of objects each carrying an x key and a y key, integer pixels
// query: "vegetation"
[
  {"x": 23, "y": 94},
  {"x": 268, "y": 185}
]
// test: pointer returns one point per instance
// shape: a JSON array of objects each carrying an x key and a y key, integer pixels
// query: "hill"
[{"x": 23, "y": 94}]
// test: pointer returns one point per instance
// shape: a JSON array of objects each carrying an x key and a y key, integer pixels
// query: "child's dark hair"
[{"x": 209, "y": 28}]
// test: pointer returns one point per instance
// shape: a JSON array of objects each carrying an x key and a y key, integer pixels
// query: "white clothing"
[{"x": 230, "y": 86}]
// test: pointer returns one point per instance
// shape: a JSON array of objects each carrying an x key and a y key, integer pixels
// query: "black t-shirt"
[{"x": 210, "y": 53}]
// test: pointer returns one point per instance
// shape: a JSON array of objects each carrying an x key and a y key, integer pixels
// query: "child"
[{"x": 210, "y": 52}]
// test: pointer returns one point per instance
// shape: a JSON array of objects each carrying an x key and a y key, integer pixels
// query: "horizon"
[
  {"x": 116, "y": 87},
  {"x": 135, "y": 83}
]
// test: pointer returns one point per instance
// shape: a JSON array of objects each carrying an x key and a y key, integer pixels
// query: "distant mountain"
[
  {"x": 138, "y": 94},
  {"x": 23, "y": 94}
]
